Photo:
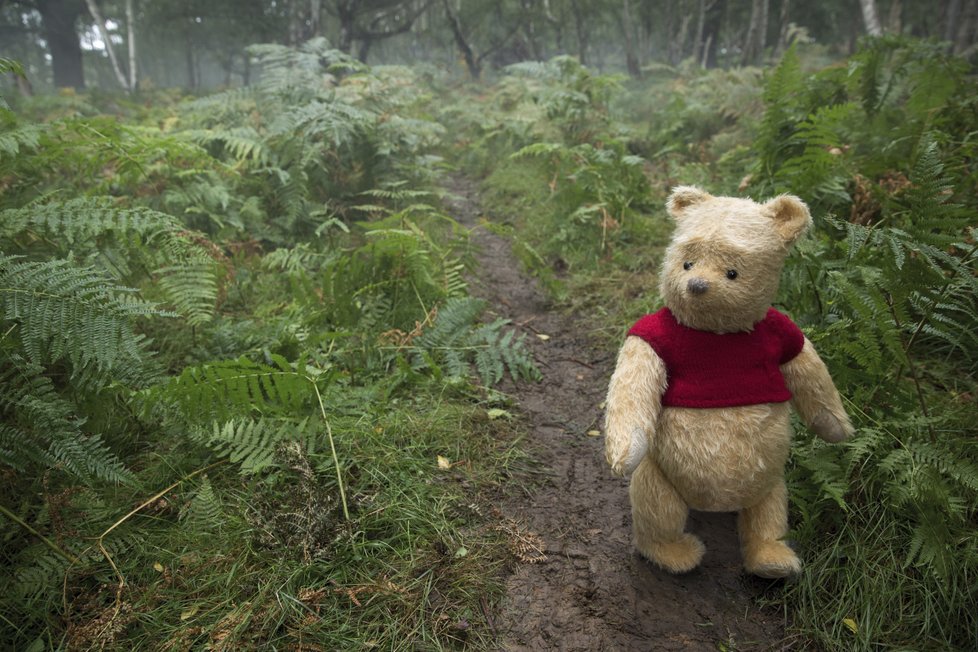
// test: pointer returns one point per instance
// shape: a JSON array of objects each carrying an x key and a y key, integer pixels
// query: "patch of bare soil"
[{"x": 592, "y": 591}]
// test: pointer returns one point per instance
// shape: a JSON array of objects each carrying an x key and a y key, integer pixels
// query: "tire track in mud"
[{"x": 594, "y": 592}]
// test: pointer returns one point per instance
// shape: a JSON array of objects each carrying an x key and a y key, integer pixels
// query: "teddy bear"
[{"x": 698, "y": 405}]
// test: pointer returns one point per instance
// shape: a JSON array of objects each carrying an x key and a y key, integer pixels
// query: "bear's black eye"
[
  {"x": 731, "y": 274},
  {"x": 687, "y": 265}
]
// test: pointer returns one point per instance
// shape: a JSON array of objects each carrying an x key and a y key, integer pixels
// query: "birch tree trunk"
[
  {"x": 100, "y": 24},
  {"x": 131, "y": 42},
  {"x": 871, "y": 17}
]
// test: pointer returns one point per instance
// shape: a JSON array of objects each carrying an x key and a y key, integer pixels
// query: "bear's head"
[{"x": 722, "y": 267}]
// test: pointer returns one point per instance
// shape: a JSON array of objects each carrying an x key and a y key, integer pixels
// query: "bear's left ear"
[{"x": 790, "y": 215}]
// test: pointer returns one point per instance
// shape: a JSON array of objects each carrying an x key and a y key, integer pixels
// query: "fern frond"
[
  {"x": 458, "y": 344},
  {"x": 43, "y": 430},
  {"x": 205, "y": 510},
  {"x": 117, "y": 238},
  {"x": 221, "y": 390},
  {"x": 253, "y": 445},
  {"x": 62, "y": 311},
  {"x": 17, "y": 142}
]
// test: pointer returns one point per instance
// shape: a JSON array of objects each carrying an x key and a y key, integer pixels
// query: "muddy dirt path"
[{"x": 593, "y": 592}]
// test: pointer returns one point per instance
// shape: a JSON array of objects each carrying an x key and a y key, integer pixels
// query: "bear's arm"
[
  {"x": 815, "y": 397},
  {"x": 633, "y": 404}
]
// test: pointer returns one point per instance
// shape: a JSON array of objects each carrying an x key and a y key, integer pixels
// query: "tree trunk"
[
  {"x": 192, "y": 82},
  {"x": 100, "y": 25},
  {"x": 871, "y": 17},
  {"x": 364, "y": 50},
  {"x": 471, "y": 61},
  {"x": 762, "y": 29},
  {"x": 131, "y": 41},
  {"x": 754, "y": 42},
  {"x": 964, "y": 35},
  {"x": 631, "y": 58},
  {"x": 951, "y": 25},
  {"x": 698, "y": 37},
  {"x": 677, "y": 46},
  {"x": 24, "y": 86},
  {"x": 580, "y": 26},
  {"x": 711, "y": 31},
  {"x": 783, "y": 29},
  {"x": 315, "y": 18},
  {"x": 58, "y": 18},
  {"x": 346, "y": 16},
  {"x": 894, "y": 22}
]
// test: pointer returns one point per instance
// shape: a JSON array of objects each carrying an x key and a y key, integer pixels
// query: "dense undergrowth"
[
  {"x": 882, "y": 148},
  {"x": 245, "y": 398}
]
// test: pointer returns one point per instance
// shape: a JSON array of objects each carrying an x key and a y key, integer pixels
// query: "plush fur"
[{"x": 717, "y": 459}]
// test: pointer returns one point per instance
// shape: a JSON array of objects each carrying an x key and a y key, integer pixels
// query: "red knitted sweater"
[{"x": 713, "y": 370}]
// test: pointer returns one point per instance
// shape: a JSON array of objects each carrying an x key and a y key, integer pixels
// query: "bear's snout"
[{"x": 697, "y": 285}]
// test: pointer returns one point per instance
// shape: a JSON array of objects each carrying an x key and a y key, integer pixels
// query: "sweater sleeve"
[
  {"x": 649, "y": 328},
  {"x": 792, "y": 339}
]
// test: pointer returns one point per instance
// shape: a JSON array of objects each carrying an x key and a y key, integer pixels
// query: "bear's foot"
[
  {"x": 679, "y": 556},
  {"x": 771, "y": 560}
]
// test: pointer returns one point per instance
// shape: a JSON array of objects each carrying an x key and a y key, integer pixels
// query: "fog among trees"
[{"x": 122, "y": 44}]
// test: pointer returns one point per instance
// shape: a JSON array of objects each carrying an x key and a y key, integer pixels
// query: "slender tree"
[
  {"x": 109, "y": 48},
  {"x": 871, "y": 17},
  {"x": 131, "y": 42}
]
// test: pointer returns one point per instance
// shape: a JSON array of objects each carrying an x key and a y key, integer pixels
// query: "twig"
[
  {"x": 580, "y": 362},
  {"x": 50, "y": 544},
  {"x": 332, "y": 448},
  {"x": 100, "y": 541}
]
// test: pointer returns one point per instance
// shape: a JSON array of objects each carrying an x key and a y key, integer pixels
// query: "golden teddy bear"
[{"x": 698, "y": 405}]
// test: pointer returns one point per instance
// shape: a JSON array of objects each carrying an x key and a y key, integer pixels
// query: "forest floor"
[{"x": 590, "y": 590}]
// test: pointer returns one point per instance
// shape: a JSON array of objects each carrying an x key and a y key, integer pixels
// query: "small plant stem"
[
  {"x": 50, "y": 544},
  {"x": 913, "y": 371},
  {"x": 332, "y": 448}
]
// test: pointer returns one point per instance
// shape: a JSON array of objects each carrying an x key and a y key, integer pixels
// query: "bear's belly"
[{"x": 723, "y": 459}]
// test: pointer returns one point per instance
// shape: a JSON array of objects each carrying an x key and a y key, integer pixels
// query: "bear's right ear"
[{"x": 682, "y": 197}]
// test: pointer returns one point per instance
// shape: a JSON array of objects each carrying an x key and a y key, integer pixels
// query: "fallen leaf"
[
  {"x": 462, "y": 551},
  {"x": 851, "y": 624},
  {"x": 158, "y": 567},
  {"x": 444, "y": 462},
  {"x": 593, "y": 433},
  {"x": 543, "y": 336},
  {"x": 190, "y": 612},
  {"x": 498, "y": 413}
]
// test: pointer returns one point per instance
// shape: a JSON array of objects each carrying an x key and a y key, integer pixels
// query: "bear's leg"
[
  {"x": 658, "y": 519},
  {"x": 762, "y": 526}
]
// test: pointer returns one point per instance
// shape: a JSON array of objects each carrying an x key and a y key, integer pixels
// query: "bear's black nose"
[{"x": 697, "y": 286}]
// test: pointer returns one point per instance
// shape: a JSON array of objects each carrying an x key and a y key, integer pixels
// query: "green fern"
[
  {"x": 223, "y": 390},
  {"x": 205, "y": 511},
  {"x": 60, "y": 311},
  {"x": 456, "y": 343},
  {"x": 128, "y": 242},
  {"x": 43, "y": 430},
  {"x": 254, "y": 445}
]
